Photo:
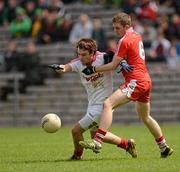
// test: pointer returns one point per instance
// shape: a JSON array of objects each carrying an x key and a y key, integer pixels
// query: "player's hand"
[
  {"x": 55, "y": 67},
  {"x": 89, "y": 70},
  {"x": 124, "y": 66}
]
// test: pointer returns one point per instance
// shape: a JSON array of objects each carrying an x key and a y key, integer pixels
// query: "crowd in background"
[{"x": 47, "y": 21}]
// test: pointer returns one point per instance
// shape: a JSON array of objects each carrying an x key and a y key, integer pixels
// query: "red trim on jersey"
[
  {"x": 96, "y": 55},
  {"x": 74, "y": 60},
  {"x": 93, "y": 58}
]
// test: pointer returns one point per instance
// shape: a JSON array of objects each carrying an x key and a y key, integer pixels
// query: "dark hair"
[
  {"x": 87, "y": 44},
  {"x": 122, "y": 18}
]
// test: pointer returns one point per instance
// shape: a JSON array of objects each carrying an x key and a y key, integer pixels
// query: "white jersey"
[{"x": 99, "y": 85}]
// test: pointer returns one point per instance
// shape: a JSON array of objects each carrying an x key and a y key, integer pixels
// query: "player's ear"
[{"x": 127, "y": 26}]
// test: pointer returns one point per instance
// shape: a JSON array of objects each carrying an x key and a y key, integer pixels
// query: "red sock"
[
  {"x": 161, "y": 143},
  {"x": 123, "y": 144},
  {"x": 159, "y": 139},
  {"x": 99, "y": 136},
  {"x": 78, "y": 152}
]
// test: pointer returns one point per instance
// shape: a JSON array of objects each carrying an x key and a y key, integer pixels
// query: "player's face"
[
  {"x": 84, "y": 56},
  {"x": 119, "y": 29}
]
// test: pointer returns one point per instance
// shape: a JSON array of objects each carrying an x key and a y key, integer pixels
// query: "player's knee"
[
  {"x": 107, "y": 104},
  {"x": 77, "y": 130},
  {"x": 145, "y": 118}
]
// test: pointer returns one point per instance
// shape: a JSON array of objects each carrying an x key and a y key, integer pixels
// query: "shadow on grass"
[{"x": 64, "y": 160}]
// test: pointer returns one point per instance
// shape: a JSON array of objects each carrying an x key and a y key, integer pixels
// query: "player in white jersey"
[{"x": 98, "y": 86}]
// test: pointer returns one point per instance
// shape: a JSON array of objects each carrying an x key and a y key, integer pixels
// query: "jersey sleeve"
[
  {"x": 122, "y": 49},
  {"x": 74, "y": 65},
  {"x": 108, "y": 57}
]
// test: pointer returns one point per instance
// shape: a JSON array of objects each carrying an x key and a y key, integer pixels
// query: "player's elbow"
[{"x": 113, "y": 66}]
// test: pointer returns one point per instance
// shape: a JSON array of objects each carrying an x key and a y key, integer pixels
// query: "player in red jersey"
[{"x": 131, "y": 57}]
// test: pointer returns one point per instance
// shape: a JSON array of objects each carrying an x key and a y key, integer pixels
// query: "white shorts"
[{"x": 92, "y": 117}]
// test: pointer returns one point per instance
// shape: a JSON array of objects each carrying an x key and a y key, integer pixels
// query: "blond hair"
[{"x": 122, "y": 18}]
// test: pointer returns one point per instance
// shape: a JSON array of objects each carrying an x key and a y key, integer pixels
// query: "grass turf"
[{"x": 33, "y": 150}]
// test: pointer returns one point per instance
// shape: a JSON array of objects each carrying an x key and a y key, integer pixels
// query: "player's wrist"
[{"x": 123, "y": 62}]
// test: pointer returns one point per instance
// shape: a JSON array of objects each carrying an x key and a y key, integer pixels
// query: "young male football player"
[
  {"x": 98, "y": 86},
  {"x": 136, "y": 88}
]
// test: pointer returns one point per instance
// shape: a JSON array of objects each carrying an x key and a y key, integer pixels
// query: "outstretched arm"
[
  {"x": 110, "y": 66},
  {"x": 107, "y": 67},
  {"x": 61, "y": 68}
]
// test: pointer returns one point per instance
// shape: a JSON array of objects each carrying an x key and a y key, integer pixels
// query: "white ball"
[{"x": 51, "y": 123}]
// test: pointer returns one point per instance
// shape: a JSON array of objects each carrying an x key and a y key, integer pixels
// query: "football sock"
[
  {"x": 78, "y": 152},
  {"x": 123, "y": 144},
  {"x": 100, "y": 134},
  {"x": 161, "y": 143}
]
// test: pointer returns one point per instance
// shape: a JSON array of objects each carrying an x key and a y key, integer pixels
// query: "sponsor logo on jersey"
[{"x": 94, "y": 77}]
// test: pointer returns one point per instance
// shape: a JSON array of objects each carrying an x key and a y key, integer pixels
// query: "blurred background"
[{"x": 36, "y": 33}]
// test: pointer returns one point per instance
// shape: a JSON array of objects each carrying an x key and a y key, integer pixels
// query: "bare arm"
[
  {"x": 65, "y": 68},
  {"x": 110, "y": 66}
]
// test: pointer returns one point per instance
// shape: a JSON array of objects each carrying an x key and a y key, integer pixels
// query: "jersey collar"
[{"x": 130, "y": 30}]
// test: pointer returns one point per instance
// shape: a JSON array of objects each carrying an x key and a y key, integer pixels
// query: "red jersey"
[{"x": 130, "y": 48}]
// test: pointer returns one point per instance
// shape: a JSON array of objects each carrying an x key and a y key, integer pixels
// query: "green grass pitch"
[{"x": 33, "y": 150}]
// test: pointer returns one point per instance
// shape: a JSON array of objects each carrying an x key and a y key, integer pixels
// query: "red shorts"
[{"x": 137, "y": 90}]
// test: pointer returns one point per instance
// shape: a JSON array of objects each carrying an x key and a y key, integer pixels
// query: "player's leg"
[
  {"x": 143, "y": 110},
  {"x": 123, "y": 143},
  {"x": 112, "y": 139},
  {"x": 89, "y": 121},
  {"x": 84, "y": 144},
  {"x": 77, "y": 135},
  {"x": 118, "y": 98}
]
